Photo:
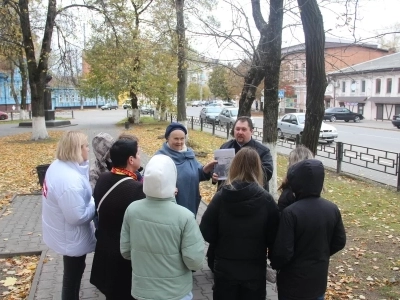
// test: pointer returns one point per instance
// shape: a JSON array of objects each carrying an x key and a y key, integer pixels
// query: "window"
[
  {"x": 389, "y": 85},
  {"x": 303, "y": 67},
  {"x": 286, "y": 118},
  {"x": 362, "y": 86},
  {"x": 343, "y": 86},
  {"x": 353, "y": 86},
  {"x": 378, "y": 86},
  {"x": 398, "y": 86}
]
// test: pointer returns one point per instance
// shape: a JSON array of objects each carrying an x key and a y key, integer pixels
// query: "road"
[
  {"x": 386, "y": 138},
  {"x": 358, "y": 139}
]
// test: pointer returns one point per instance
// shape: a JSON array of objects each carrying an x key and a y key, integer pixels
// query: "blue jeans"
[
  {"x": 73, "y": 271},
  {"x": 318, "y": 298}
]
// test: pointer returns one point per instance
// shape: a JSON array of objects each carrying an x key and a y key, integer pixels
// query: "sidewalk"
[{"x": 21, "y": 233}]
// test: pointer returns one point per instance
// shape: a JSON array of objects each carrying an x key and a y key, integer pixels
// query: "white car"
[
  {"x": 293, "y": 124},
  {"x": 196, "y": 103}
]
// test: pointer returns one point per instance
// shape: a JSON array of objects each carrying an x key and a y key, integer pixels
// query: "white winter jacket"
[{"x": 68, "y": 209}]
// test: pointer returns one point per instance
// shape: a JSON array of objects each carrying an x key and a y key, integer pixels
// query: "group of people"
[{"x": 142, "y": 228}]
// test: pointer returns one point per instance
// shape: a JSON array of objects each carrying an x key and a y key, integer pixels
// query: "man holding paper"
[{"x": 242, "y": 133}]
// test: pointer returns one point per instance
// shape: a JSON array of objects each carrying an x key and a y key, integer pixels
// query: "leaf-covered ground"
[
  {"x": 368, "y": 268},
  {"x": 20, "y": 156},
  {"x": 16, "y": 275}
]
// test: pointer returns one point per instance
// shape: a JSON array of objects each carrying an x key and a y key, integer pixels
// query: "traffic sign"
[{"x": 281, "y": 93}]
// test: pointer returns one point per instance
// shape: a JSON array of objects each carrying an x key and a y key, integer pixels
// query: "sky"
[{"x": 373, "y": 16}]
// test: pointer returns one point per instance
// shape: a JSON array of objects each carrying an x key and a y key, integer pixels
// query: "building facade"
[
  {"x": 371, "y": 88},
  {"x": 338, "y": 55},
  {"x": 64, "y": 96}
]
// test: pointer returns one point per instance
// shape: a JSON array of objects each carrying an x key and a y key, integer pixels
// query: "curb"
[
  {"x": 5, "y": 207},
  {"x": 36, "y": 278}
]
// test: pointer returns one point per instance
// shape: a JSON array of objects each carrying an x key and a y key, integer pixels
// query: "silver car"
[
  {"x": 228, "y": 116},
  {"x": 293, "y": 124},
  {"x": 210, "y": 113}
]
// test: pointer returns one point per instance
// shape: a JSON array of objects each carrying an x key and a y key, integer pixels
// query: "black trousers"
[
  {"x": 239, "y": 290},
  {"x": 73, "y": 271}
]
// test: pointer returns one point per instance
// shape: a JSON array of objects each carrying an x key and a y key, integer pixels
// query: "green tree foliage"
[
  {"x": 193, "y": 91},
  {"x": 218, "y": 83},
  {"x": 12, "y": 52}
]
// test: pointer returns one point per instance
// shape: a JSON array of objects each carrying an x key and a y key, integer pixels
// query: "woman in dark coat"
[
  {"x": 241, "y": 222},
  {"x": 286, "y": 198},
  {"x": 310, "y": 231},
  {"x": 111, "y": 273}
]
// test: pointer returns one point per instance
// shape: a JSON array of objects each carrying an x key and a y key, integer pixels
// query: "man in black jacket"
[
  {"x": 310, "y": 231},
  {"x": 242, "y": 132}
]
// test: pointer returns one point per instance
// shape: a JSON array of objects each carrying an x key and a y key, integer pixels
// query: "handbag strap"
[{"x": 108, "y": 192}]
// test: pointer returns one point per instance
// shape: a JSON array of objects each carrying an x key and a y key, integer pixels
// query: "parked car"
[
  {"x": 196, "y": 103},
  {"x": 109, "y": 106},
  {"x": 293, "y": 124},
  {"x": 228, "y": 115},
  {"x": 396, "y": 121},
  {"x": 146, "y": 110},
  {"x": 341, "y": 113},
  {"x": 228, "y": 104},
  {"x": 127, "y": 104},
  {"x": 210, "y": 113},
  {"x": 3, "y": 115}
]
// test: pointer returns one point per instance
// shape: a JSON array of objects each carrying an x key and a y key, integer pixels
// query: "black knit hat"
[{"x": 174, "y": 126}]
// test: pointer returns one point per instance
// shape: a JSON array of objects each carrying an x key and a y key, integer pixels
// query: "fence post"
[
  {"x": 213, "y": 129},
  {"x": 192, "y": 122},
  {"x": 30, "y": 115},
  {"x": 339, "y": 156},
  {"x": 201, "y": 124},
  {"x": 72, "y": 114},
  {"x": 297, "y": 140},
  {"x": 171, "y": 118},
  {"x": 227, "y": 130},
  {"x": 398, "y": 172},
  {"x": 12, "y": 116}
]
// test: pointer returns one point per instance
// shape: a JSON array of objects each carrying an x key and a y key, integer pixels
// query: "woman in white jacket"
[{"x": 68, "y": 209}]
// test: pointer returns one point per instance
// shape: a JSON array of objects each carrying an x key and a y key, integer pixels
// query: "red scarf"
[{"x": 120, "y": 171}]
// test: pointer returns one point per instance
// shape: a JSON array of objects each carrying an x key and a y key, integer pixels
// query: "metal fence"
[{"x": 378, "y": 160}]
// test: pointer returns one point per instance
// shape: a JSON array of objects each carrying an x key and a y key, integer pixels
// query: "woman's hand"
[
  {"x": 214, "y": 178},
  {"x": 208, "y": 168}
]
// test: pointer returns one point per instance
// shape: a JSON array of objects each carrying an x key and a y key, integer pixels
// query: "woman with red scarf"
[{"x": 113, "y": 193}]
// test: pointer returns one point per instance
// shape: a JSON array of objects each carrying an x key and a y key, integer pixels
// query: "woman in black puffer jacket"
[{"x": 241, "y": 222}]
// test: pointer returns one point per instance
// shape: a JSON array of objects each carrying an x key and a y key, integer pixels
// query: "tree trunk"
[
  {"x": 37, "y": 72},
  {"x": 314, "y": 34},
  {"x": 135, "y": 114},
  {"x": 252, "y": 80},
  {"x": 272, "y": 66},
  {"x": 182, "y": 68},
  {"x": 24, "y": 85}
]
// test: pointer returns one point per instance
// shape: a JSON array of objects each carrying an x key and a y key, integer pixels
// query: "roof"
[
  {"x": 385, "y": 100},
  {"x": 330, "y": 44},
  {"x": 352, "y": 99},
  {"x": 389, "y": 62}
]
